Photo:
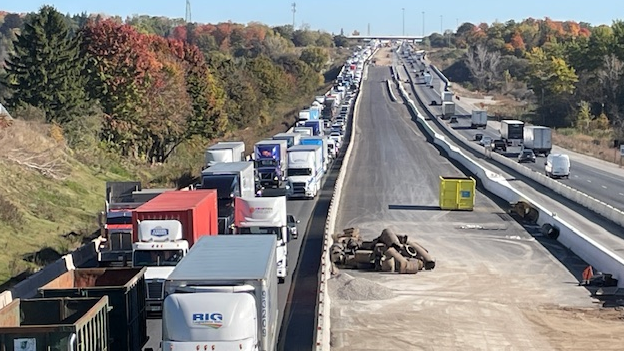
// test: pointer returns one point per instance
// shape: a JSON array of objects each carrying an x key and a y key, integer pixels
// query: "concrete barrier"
[
  {"x": 323, "y": 305},
  {"x": 392, "y": 96},
  {"x": 600, "y": 257}
]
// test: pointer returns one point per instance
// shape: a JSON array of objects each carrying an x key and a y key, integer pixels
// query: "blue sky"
[{"x": 385, "y": 17}]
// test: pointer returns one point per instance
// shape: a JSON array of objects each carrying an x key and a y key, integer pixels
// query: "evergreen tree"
[{"x": 45, "y": 69}]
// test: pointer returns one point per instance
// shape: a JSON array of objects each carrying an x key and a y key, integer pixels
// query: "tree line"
[
  {"x": 155, "y": 82},
  {"x": 573, "y": 70}
]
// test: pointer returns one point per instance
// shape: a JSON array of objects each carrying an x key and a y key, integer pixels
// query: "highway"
[
  {"x": 600, "y": 179},
  {"x": 488, "y": 266}
]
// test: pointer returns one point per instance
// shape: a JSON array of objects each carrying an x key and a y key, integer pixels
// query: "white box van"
[{"x": 557, "y": 166}]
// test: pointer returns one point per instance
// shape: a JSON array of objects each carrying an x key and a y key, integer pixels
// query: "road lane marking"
[{"x": 604, "y": 187}]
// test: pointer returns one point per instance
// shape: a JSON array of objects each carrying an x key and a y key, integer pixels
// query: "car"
[
  {"x": 527, "y": 155},
  {"x": 338, "y": 130},
  {"x": 499, "y": 145},
  {"x": 292, "y": 226},
  {"x": 336, "y": 136},
  {"x": 485, "y": 141}
]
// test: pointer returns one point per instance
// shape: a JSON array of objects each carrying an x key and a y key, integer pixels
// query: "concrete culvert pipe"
[
  {"x": 532, "y": 215},
  {"x": 413, "y": 266},
  {"x": 364, "y": 256},
  {"x": 550, "y": 231},
  {"x": 379, "y": 249},
  {"x": 389, "y": 238},
  {"x": 368, "y": 245},
  {"x": 424, "y": 255},
  {"x": 394, "y": 253},
  {"x": 387, "y": 264},
  {"x": 408, "y": 251}
]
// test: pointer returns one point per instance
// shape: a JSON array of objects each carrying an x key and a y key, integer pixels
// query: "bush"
[{"x": 9, "y": 213}]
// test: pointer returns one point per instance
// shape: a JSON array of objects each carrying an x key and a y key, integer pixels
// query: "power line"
[{"x": 187, "y": 17}]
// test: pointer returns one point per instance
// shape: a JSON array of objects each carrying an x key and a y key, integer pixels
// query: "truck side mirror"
[{"x": 298, "y": 221}]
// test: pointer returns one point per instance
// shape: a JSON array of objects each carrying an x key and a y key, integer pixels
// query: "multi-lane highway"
[
  {"x": 490, "y": 275},
  {"x": 597, "y": 178}
]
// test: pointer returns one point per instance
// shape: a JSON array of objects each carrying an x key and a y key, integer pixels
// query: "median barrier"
[
  {"x": 323, "y": 307},
  {"x": 392, "y": 97},
  {"x": 592, "y": 252}
]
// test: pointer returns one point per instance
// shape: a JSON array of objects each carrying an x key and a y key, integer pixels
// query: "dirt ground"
[{"x": 383, "y": 57}]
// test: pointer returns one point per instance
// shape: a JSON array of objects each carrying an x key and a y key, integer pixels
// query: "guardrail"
[
  {"x": 582, "y": 245},
  {"x": 323, "y": 304}
]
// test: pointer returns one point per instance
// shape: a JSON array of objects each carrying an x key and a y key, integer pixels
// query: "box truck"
[
  {"x": 305, "y": 171},
  {"x": 304, "y": 131},
  {"x": 265, "y": 216},
  {"x": 512, "y": 134},
  {"x": 448, "y": 109},
  {"x": 165, "y": 228},
  {"x": 270, "y": 162},
  {"x": 225, "y": 151},
  {"x": 447, "y": 96},
  {"x": 55, "y": 324},
  {"x": 223, "y": 296},
  {"x": 230, "y": 180},
  {"x": 539, "y": 139},
  {"x": 478, "y": 119},
  {"x": 318, "y": 127},
  {"x": 291, "y": 138},
  {"x": 322, "y": 142},
  {"x": 125, "y": 288}
]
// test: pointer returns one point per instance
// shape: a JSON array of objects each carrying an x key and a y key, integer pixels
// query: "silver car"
[{"x": 292, "y": 226}]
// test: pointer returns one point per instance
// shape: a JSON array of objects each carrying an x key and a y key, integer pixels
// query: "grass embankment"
[{"x": 50, "y": 195}]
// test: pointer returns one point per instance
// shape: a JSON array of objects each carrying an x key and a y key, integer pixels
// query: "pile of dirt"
[{"x": 346, "y": 287}]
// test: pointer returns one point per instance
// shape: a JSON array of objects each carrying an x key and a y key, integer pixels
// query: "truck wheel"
[{"x": 280, "y": 280}]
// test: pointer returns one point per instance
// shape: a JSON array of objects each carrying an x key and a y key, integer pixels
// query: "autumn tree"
[
  {"x": 45, "y": 70},
  {"x": 316, "y": 57},
  {"x": 483, "y": 64}
]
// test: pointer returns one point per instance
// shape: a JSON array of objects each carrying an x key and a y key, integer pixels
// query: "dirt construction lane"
[{"x": 494, "y": 287}]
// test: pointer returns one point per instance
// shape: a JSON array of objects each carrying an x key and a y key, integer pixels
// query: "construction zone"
[{"x": 387, "y": 253}]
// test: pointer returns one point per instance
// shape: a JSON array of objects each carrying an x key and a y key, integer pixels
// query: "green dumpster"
[{"x": 457, "y": 193}]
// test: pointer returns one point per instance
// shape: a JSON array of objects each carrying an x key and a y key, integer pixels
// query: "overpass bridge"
[{"x": 417, "y": 38}]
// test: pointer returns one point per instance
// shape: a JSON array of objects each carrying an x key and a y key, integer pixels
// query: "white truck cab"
[{"x": 160, "y": 248}]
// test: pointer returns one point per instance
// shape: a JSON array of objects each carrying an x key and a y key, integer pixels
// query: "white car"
[
  {"x": 336, "y": 136},
  {"x": 485, "y": 141}
]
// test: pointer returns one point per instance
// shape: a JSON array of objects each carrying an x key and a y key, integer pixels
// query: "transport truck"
[
  {"x": 322, "y": 142},
  {"x": 428, "y": 79},
  {"x": 57, "y": 324},
  {"x": 318, "y": 127},
  {"x": 512, "y": 134},
  {"x": 304, "y": 131},
  {"x": 447, "y": 96},
  {"x": 315, "y": 111},
  {"x": 125, "y": 289},
  {"x": 329, "y": 107},
  {"x": 478, "y": 119},
  {"x": 230, "y": 180},
  {"x": 305, "y": 171},
  {"x": 539, "y": 139},
  {"x": 270, "y": 162},
  {"x": 265, "y": 216},
  {"x": 304, "y": 115},
  {"x": 291, "y": 138},
  {"x": 116, "y": 220},
  {"x": 225, "y": 151},
  {"x": 448, "y": 109},
  {"x": 165, "y": 228},
  {"x": 223, "y": 296}
]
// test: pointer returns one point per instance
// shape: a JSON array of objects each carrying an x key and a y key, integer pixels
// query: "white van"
[{"x": 557, "y": 166}]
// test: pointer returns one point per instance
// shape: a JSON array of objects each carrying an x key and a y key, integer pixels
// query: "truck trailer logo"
[
  {"x": 159, "y": 232},
  {"x": 261, "y": 209},
  {"x": 212, "y": 320}
]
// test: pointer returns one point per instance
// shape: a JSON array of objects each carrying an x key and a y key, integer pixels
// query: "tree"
[
  {"x": 11, "y": 21},
  {"x": 483, "y": 64},
  {"x": 341, "y": 41},
  {"x": 305, "y": 37},
  {"x": 46, "y": 68},
  {"x": 584, "y": 117},
  {"x": 315, "y": 57}
]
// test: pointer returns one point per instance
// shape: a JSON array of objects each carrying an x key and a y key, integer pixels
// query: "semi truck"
[
  {"x": 225, "y": 151},
  {"x": 55, "y": 324},
  {"x": 322, "y": 142},
  {"x": 448, "y": 109},
  {"x": 291, "y": 138},
  {"x": 539, "y": 139},
  {"x": 329, "y": 107},
  {"x": 478, "y": 119},
  {"x": 125, "y": 289},
  {"x": 306, "y": 131},
  {"x": 512, "y": 134},
  {"x": 315, "y": 110},
  {"x": 266, "y": 216},
  {"x": 116, "y": 220},
  {"x": 305, "y": 171},
  {"x": 230, "y": 180},
  {"x": 270, "y": 162},
  {"x": 447, "y": 96},
  {"x": 165, "y": 228},
  {"x": 304, "y": 115},
  {"x": 223, "y": 296}
]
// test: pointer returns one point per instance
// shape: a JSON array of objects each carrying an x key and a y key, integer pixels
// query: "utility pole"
[
  {"x": 403, "y": 9},
  {"x": 294, "y": 10},
  {"x": 368, "y": 30},
  {"x": 423, "y": 24},
  {"x": 187, "y": 16},
  {"x": 442, "y": 24}
]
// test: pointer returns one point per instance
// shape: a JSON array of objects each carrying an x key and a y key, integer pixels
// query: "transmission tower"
[
  {"x": 294, "y": 10},
  {"x": 187, "y": 17}
]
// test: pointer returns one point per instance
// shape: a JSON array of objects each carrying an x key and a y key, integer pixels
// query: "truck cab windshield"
[
  {"x": 156, "y": 258},
  {"x": 261, "y": 230},
  {"x": 299, "y": 172}
]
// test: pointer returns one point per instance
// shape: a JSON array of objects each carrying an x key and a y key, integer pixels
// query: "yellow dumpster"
[{"x": 457, "y": 193}]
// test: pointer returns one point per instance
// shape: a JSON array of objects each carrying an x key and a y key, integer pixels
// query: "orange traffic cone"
[{"x": 588, "y": 273}]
